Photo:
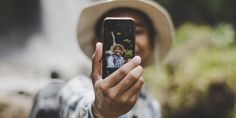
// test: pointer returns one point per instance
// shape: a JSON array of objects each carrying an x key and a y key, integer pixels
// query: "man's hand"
[{"x": 116, "y": 94}]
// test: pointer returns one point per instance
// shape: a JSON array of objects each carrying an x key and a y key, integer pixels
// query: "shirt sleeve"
[
  {"x": 76, "y": 98},
  {"x": 110, "y": 63},
  {"x": 156, "y": 108},
  {"x": 145, "y": 107}
]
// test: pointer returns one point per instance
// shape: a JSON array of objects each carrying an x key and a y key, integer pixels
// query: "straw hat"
[
  {"x": 156, "y": 13},
  {"x": 118, "y": 45}
]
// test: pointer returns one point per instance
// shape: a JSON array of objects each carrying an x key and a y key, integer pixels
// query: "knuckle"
[
  {"x": 129, "y": 101},
  {"x": 104, "y": 91},
  {"x": 141, "y": 81},
  {"x": 101, "y": 87},
  {"x": 123, "y": 101},
  {"x": 133, "y": 76},
  {"x": 112, "y": 96},
  {"x": 97, "y": 86},
  {"x": 127, "y": 81},
  {"x": 132, "y": 101},
  {"x": 93, "y": 56},
  {"x": 122, "y": 71}
]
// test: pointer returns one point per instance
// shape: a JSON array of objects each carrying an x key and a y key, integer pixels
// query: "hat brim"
[
  {"x": 157, "y": 14},
  {"x": 118, "y": 45}
]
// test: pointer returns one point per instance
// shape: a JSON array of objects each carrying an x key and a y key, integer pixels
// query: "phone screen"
[{"x": 118, "y": 43}]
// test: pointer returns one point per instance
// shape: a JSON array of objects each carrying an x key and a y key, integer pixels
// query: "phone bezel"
[{"x": 110, "y": 19}]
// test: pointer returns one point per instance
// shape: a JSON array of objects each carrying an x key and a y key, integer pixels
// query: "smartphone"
[{"x": 118, "y": 43}]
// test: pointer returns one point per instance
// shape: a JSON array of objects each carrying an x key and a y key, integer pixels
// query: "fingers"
[
  {"x": 135, "y": 89},
  {"x": 96, "y": 63},
  {"x": 128, "y": 81},
  {"x": 119, "y": 74}
]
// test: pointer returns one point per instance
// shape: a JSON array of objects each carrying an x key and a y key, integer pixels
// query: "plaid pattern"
[
  {"x": 115, "y": 61},
  {"x": 118, "y": 61},
  {"x": 76, "y": 98}
]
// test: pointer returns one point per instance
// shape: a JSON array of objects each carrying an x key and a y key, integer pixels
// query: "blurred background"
[{"x": 197, "y": 79}]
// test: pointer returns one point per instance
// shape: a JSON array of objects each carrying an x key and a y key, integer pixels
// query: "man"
[
  {"x": 115, "y": 60},
  {"x": 120, "y": 94}
]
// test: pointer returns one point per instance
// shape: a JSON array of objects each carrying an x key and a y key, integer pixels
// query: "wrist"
[{"x": 99, "y": 113}]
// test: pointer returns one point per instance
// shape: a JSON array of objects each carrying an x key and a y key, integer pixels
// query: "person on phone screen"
[
  {"x": 116, "y": 59},
  {"x": 121, "y": 94}
]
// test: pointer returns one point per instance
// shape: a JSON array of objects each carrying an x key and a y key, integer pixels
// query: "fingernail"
[
  {"x": 97, "y": 44},
  {"x": 137, "y": 59}
]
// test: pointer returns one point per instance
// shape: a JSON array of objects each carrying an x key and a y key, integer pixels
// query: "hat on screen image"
[{"x": 117, "y": 45}]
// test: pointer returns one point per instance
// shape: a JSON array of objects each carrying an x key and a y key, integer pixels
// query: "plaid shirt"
[
  {"x": 77, "y": 96},
  {"x": 115, "y": 61}
]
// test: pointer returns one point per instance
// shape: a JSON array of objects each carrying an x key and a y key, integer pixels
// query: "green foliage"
[
  {"x": 222, "y": 35},
  {"x": 128, "y": 54},
  {"x": 201, "y": 11},
  {"x": 191, "y": 83}
]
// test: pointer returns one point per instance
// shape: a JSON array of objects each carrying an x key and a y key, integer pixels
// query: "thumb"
[{"x": 96, "y": 63}]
